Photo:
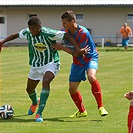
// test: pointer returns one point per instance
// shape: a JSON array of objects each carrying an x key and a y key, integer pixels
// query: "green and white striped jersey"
[{"x": 40, "y": 51}]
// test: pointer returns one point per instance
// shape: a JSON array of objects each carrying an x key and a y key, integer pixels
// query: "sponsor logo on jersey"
[{"x": 40, "y": 47}]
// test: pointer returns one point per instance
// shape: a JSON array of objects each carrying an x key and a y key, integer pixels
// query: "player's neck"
[{"x": 74, "y": 29}]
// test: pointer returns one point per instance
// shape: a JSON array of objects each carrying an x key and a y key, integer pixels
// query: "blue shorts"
[
  {"x": 78, "y": 73},
  {"x": 125, "y": 42}
]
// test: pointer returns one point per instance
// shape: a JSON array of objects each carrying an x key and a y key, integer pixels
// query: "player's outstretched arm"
[{"x": 9, "y": 38}]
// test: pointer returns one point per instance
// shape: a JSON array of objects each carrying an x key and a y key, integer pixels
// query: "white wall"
[{"x": 103, "y": 21}]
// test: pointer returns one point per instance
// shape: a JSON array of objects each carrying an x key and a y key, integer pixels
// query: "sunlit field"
[{"x": 115, "y": 76}]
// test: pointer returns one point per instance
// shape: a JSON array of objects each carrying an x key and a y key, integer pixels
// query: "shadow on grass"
[
  {"x": 119, "y": 50},
  {"x": 23, "y": 118},
  {"x": 68, "y": 119},
  {"x": 18, "y": 118},
  {"x": 116, "y": 50}
]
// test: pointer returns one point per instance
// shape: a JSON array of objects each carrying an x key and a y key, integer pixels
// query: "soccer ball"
[{"x": 6, "y": 111}]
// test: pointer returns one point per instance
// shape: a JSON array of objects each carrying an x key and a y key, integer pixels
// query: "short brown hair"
[{"x": 69, "y": 15}]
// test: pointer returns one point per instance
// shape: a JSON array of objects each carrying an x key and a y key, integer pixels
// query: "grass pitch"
[{"x": 115, "y": 77}]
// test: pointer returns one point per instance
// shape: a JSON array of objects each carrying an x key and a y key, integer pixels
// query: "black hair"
[
  {"x": 69, "y": 15},
  {"x": 34, "y": 21}
]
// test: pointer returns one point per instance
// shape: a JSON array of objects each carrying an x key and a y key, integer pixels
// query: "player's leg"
[
  {"x": 77, "y": 74},
  {"x": 33, "y": 80},
  {"x": 126, "y": 47},
  {"x": 31, "y": 85},
  {"x": 95, "y": 86},
  {"x": 47, "y": 78},
  {"x": 49, "y": 74},
  {"x": 125, "y": 43},
  {"x": 130, "y": 118},
  {"x": 77, "y": 99}
]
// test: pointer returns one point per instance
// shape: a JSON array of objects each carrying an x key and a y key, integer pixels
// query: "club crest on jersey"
[{"x": 40, "y": 47}]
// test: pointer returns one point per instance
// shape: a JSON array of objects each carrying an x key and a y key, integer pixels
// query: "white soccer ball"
[{"x": 6, "y": 111}]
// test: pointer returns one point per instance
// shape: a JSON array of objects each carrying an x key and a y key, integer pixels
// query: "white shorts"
[{"x": 36, "y": 73}]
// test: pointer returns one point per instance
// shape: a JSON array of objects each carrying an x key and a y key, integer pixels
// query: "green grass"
[{"x": 115, "y": 77}]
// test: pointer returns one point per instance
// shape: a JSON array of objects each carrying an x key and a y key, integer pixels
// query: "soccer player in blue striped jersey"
[
  {"x": 82, "y": 65},
  {"x": 43, "y": 60}
]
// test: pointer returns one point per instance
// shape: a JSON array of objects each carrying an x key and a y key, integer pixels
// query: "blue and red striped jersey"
[{"x": 84, "y": 39}]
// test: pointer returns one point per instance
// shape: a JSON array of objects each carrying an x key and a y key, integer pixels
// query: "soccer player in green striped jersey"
[{"x": 43, "y": 60}]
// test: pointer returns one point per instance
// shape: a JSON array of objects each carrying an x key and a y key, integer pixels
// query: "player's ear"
[
  {"x": 72, "y": 21},
  {"x": 39, "y": 27}
]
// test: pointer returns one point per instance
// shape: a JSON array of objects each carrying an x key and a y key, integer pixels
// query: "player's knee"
[
  {"x": 72, "y": 91},
  {"x": 29, "y": 91},
  {"x": 91, "y": 78},
  {"x": 47, "y": 80}
]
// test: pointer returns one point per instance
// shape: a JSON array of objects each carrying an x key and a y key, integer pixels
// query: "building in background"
[{"x": 101, "y": 19}]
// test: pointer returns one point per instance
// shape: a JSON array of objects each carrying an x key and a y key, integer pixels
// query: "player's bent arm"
[
  {"x": 71, "y": 52},
  {"x": 60, "y": 47},
  {"x": 72, "y": 41},
  {"x": 78, "y": 51}
]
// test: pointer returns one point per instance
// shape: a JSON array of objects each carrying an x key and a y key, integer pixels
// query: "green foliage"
[{"x": 115, "y": 77}]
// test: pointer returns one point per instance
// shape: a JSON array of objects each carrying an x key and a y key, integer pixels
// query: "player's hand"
[
  {"x": 86, "y": 50},
  {"x": 83, "y": 51},
  {"x": 129, "y": 95}
]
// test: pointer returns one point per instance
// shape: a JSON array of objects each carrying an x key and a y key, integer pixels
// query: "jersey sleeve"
[
  {"x": 58, "y": 36},
  {"x": 22, "y": 34}
]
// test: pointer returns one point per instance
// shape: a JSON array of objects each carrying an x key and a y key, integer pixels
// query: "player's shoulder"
[
  {"x": 81, "y": 27},
  {"x": 44, "y": 29},
  {"x": 84, "y": 31},
  {"x": 48, "y": 30},
  {"x": 24, "y": 31},
  {"x": 122, "y": 28},
  {"x": 128, "y": 28}
]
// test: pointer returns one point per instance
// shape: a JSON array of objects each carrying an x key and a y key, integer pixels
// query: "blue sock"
[
  {"x": 43, "y": 98},
  {"x": 33, "y": 97}
]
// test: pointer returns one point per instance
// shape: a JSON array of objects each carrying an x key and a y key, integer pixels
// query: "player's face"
[
  {"x": 35, "y": 29},
  {"x": 66, "y": 24}
]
